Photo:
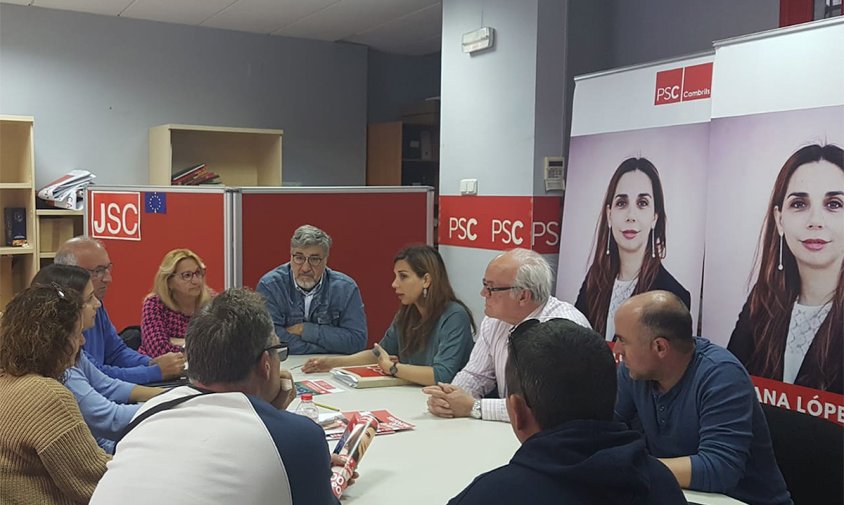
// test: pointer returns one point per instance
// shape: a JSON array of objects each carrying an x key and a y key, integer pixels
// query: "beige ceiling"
[{"x": 411, "y": 27}]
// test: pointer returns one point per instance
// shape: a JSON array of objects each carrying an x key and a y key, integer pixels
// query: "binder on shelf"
[
  {"x": 186, "y": 173},
  {"x": 369, "y": 376}
]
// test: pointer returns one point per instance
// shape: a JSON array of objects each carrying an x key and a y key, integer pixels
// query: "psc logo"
[
  {"x": 115, "y": 215},
  {"x": 683, "y": 84}
]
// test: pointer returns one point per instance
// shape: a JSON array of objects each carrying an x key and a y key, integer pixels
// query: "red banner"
[
  {"x": 501, "y": 222},
  {"x": 814, "y": 402}
]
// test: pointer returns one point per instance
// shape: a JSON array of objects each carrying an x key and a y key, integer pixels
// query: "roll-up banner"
[
  {"x": 773, "y": 290},
  {"x": 634, "y": 209}
]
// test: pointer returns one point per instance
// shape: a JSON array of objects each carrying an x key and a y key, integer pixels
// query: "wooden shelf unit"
[
  {"x": 240, "y": 156},
  {"x": 55, "y": 226},
  {"x": 17, "y": 182}
]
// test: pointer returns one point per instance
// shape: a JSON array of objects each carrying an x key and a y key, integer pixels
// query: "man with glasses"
[
  {"x": 103, "y": 346},
  {"x": 561, "y": 387},
  {"x": 516, "y": 286},
  {"x": 315, "y": 310},
  {"x": 225, "y": 438}
]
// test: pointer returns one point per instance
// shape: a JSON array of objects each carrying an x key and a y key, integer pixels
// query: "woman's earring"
[
  {"x": 653, "y": 243},
  {"x": 609, "y": 233},
  {"x": 779, "y": 267},
  {"x": 424, "y": 292}
]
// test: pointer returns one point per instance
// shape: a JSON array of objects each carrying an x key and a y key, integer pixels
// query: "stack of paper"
[{"x": 67, "y": 191}]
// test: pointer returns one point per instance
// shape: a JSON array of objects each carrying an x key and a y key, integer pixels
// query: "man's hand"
[
  {"x": 337, "y": 460},
  {"x": 296, "y": 329},
  {"x": 172, "y": 364},
  {"x": 284, "y": 396},
  {"x": 318, "y": 365},
  {"x": 448, "y": 401},
  {"x": 385, "y": 360}
]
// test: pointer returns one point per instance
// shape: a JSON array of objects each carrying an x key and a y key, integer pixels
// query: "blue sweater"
[
  {"x": 101, "y": 400},
  {"x": 578, "y": 463},
  {"x": 449, "y": 344},
  {"x": 335, "y": 323},
  {"x": 713, "y": 416},
  {"x": 106, "y": 350}
]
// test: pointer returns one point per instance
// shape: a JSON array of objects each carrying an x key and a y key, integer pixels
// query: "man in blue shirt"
[
  {"x": 315, "y": 310},
  {"x": 694, "y": 402},
  {"x": 103, "y": 346}
]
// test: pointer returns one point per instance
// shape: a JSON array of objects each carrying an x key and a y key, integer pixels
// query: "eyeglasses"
[
  {"x": 188, "y": 276},
  {"x": 314, "y": 261},
  {"x": 515, "y": 333},
  {"x": 490, "y": 290},
  {"x": 280, "y": 350},
  {"x": 99, "y": 272}
]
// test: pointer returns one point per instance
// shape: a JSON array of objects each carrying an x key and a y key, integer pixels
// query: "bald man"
[
  {"x": 694, "y": 402},
  {"x": 103, "y": 346}
]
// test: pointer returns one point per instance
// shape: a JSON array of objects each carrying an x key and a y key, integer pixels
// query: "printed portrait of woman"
[
  {"x": 792, "y": 326},
  {"x": 630, "y": 246}
]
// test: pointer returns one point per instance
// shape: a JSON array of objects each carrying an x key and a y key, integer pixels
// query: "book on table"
[
  {"x": 365, "y": 376},
  {"x": 335, "y": 423}
]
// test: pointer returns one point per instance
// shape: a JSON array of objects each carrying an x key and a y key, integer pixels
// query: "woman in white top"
[
  {"x": 629, "y": 248},
  {"x": 792, "y": 326}
]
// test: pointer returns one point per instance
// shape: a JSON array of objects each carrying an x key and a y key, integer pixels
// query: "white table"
[{"x": 433, "y": 462}]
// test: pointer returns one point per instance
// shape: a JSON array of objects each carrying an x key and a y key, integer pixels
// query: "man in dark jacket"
[{"x": 561, "y": 383}]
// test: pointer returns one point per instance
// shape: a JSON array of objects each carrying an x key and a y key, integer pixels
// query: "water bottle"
[{"x": 307, "y": 408}]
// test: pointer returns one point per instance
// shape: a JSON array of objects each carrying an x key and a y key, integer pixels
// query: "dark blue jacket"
[{"x": 578, "y": 463}]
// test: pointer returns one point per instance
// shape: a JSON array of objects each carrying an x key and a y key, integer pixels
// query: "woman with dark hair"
[
  {"x": 47, "y": 454},
  {"x": 430, "y": 339},
  {"x": 102, "y": 400},
  {"x": 792, "y": 326},
  {"x": 632, "y": 225}
]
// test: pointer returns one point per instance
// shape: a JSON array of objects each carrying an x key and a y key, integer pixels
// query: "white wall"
[{"x": 95, "y": 84}]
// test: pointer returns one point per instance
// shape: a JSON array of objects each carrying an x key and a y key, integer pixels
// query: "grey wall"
[
  {"x": 397, "y": 82},
  {"x": 95, "y": 85},
  {"x": 649, "y": 30}
]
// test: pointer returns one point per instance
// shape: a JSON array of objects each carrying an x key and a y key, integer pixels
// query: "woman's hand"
[
  {"x": 385, "y": 360},
  {"x": 318, "y": 365}
]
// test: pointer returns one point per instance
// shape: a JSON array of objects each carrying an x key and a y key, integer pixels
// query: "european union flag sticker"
[{"x": 155, "y": 203}]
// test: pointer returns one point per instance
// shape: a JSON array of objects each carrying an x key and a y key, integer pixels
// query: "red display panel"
[
  {"x": 368, "y": 229},
  {"x": 501, "y": 222},
  {"x": 167, "y": 220}
]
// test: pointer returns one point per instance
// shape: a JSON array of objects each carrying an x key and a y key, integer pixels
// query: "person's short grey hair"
[
  {"x": 534, "y": 274},
  {"x": 309, "y": 236},
  {"x": 224, "y": 341}
]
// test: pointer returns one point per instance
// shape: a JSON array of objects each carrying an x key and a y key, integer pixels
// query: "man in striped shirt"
[{"x": 516, "y": 287}]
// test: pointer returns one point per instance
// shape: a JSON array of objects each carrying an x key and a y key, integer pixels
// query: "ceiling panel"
[
  {"x": 105, "y": 7},
  {"x": 418, "y": 33},
  {"x": 188, "y": 12},
  {"x": 395, "y": 26},
  {"x": 350, "y": 17},
  {"x": 265, "y": 16}
]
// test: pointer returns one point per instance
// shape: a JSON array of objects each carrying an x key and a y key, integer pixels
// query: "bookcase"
[
  {"x": 17, "y": 190},
  {"x": 56, "y": 226},
  {"x": 402, "y": 154},
  {"x": 240, "y": 156}
]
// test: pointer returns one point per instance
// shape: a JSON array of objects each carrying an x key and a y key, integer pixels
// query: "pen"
[{"x": 329, "y": 407}]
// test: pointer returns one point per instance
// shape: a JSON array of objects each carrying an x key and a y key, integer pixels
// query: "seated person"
[
  {"x": 178, "y": 292},
  {"x": 694, "y": 402},
  {"x": 516, "y": 286},
  {"x": 102, "y": 400},
  {"x": 47, "y": 454},
  {"x": 430, "y": 339},
  {"x": 561, "y": 387},
  {"x": 258, "y": 452},
  {"x": 315, "y": 310},
  {"x": 103, "y": 346}
]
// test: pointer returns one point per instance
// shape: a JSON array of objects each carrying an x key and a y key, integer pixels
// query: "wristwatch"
[
  {"x": 394, "y": 370},
  {"x": 476, "y": 409}
]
